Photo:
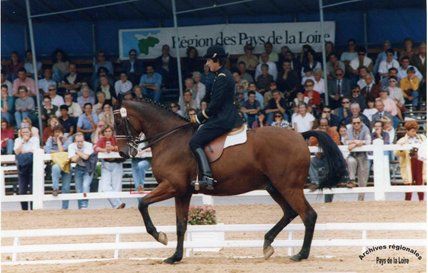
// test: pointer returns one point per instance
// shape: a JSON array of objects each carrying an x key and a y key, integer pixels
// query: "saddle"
[{"x": 215, "y": 148}]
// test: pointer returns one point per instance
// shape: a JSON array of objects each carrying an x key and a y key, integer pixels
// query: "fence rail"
[
  {"x": 381, "y": 174},
  {"x": 191, "y": 244}
]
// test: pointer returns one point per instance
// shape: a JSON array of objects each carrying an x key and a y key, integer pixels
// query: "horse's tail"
[{"x": 336, "y": 165}]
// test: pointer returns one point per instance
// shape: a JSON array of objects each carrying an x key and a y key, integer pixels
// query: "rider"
[{"x": 221, "y": 115}]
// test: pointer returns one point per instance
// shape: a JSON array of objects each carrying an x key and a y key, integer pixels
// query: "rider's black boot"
[{"x": 205, "y": 180}]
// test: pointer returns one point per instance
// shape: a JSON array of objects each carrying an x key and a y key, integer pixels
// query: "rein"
[{"x": 135, "y": 141}]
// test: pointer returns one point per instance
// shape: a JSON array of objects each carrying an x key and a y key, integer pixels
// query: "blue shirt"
[
  {"x": 84, "y": 123},
  {"x": 52, "y": 146},
  {"x": 155, "y": 79}
]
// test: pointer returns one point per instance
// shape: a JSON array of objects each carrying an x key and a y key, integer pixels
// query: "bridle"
[{"x": 133, "y": 141}]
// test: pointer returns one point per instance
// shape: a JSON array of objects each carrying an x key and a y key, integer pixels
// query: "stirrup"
[{"x": 208, "y": 183}]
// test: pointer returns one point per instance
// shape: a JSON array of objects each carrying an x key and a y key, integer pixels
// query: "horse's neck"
[{"x": 156, "y": 122}]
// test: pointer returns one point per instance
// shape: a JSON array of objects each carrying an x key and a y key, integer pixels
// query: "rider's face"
[{"x": 212, "y": 65}]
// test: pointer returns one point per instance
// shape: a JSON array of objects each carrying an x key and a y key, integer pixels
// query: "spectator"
[
  {"x": 303, "y": 121},
  {"x": 282, "y": 56},
  {"x": 108, "y": 90},
  {"x": 388, "y": 128},
  {"x": 101, "y": 100},
  {"x": 48, "y": 131},
  {"x": 67, "y": 122},
  {"x": 190, "y": 63},
  {"x": 186, "y": 102},
  {"x": 97, "y": 134},
  {"x": 343, "y": 133},
  {"x": 300, "y": 98},
  {"x": 72, "y": 82},
  {"x": 139, "y": 169},
  {"x": 107, "y": 115},
  {"x": 207, "y": 78},
  {"x": 388, "y": 63},
  {"x": 402, "y": 70},
  {"x": 60, "y": 65},
  {"x": 24, "y": 105},
  {"x": 48, "y": 110},
  {"x": 357, "y": 97},
  {"x": 390, "y": 106},
  {"x": 309, "y": 62},
  {"x": 151, "y": 84},
  {"x": 133, "y": 67},
  {"x": 351, "y": 54},
  {"x": 5, "y": 81},
  {"x": 276, "y": 104},
  {"x": 28, "y": 65},
  {"x": 56, "y": 99},
  {"x": 264, "y": 80},
  {"x": 57, "y": 145},
  {"x": 312, "y": 95},
  {"x": 96, "y": 78},
  {"x": 396, "y": 93},
  {"x": 166, "y": 65},
  {"x": 318, "y": 167},
  {"x": 332, "y": 65},
  {"x": 74, "y": 109},
  {"x": 138, "y": 92},
  {"x": 309, "y": 74},
  {"x": 86, "y": 123},
  {"x": 122, "y": 86},
  {"x": 249, "y": 59},
  {"x": 260, "y": 121},
  {"x": 382, "y": 56},
  {"x": 259, "y": 97},
  {"x": 273, "y": 56},
  {"x": 128, "y": 95},
  {"x": 356, "y": 112},
  {"x": 7, "y": 136},
  {"x": 279, "y": 121},
  {"x": 176, "y": 109},
  {"x": 85, "y": 97},
  {"x": 419, "y": 60},
  {"x": 362, "y": 73},
  {"x": 272, "y": 70},
  {"x": 24, "y": 147},
  {"x": 295, "y": 65},
  {"x": 47, "y": 80},
  {"x": 344, "y": 110},
  {"x": 338, "y": 88},
  {"x": 268, "y": 93},
  {"x": 199, "y": 89},
  {"x": 361, "y": 60},
  {"x": 242, "y": 70},
  {"x": 14, "y": 66},
  {"x": 411, "y": 167},
  {"x": 7, "y": 104},
  {"x": 371, "y": 90},
  {"x": 23, "y": 80},
  {"x": 392, "y": 72},
  {"x": 26, "y": 123},
  {"x": 111, "y": 169},
  {"x": 80, "y": 152},
  {"x": 332, "y": 119},
  {"x": 101, "y": 61},
  {"x": 378, "y": 132},
  {"x": 319, "y": 82},
  {"x": 251, "y": 108},
  {"x": 410, "y": 87},
  {"x": 408, "y": 50},
  {"x": 370, "y": 110},
  {"x": 288, "y": 80},
  {"x": 358, "y": 163}
]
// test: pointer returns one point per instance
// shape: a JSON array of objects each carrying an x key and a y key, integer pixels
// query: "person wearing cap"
[
  {"x": 220, "y": 116},
  {"x": 249, "y": 59},
  {"x": 412, "y": 169},
  {"x": 410, "y": 87}
]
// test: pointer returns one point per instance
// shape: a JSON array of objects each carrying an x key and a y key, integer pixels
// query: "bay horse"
[{"x": 275, "y": 159}]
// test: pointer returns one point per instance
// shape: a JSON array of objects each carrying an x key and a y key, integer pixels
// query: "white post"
[
  {"x": 38, "y": 178},
  {"x": 378, "y": 170},
  {"x": 207, "y": 200},
  {"x": 324, "y": 57},
  {"x": 290, "y": 237},
  {"x": 116, "y": 251},
  {"x": 177, "y": 48},
  {"x": 188, "y": 250},
  {"x": 387, "y": 174},
  {"x": 15, "y": 244},
  {"x": 364, "y": 237}
]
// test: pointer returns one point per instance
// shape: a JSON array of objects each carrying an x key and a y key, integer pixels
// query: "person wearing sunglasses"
[
  {"x": 356, "y": 113},
  {"x": 392, "y": 72},
  {"x": 358, "y": 164},
  {"x": 338, "y": 88},
  {"x": 361, "y": 60},
  {"x": 279, "y": 121},
  {"x": 343, "y": 111},
  {"x": 357, "y": 97},
  {"x": 332, "y": 119}
]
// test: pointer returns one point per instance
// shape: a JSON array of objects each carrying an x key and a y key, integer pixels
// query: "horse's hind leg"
[
  {"x": 162, "y": 192},
  {"x": 289, "y": 215},
  {"x": 298, "y": 202}
]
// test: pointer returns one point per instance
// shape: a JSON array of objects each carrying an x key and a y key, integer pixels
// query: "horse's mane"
[{"x": 162, "y": 107}]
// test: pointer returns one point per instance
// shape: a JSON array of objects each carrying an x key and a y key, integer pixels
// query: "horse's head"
[{"x": 127, "y": 129}]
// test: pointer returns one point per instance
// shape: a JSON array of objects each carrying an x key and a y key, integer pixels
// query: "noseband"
[{"x": 134, "y": 141}]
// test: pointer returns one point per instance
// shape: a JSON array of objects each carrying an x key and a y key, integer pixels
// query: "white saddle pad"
[{"x": 236, "y": 139}]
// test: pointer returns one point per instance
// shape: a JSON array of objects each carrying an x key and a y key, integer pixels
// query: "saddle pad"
[
  {"x": 215, "y": 148},
  {"x": 236, "y": 138}
]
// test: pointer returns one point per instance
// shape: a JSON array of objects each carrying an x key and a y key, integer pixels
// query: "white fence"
[
  {"x": 189, "y": 244},
  {"x": 381, "y": 171}
]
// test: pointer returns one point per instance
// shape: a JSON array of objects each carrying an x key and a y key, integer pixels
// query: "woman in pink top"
[{"x": 390, "y": 105}]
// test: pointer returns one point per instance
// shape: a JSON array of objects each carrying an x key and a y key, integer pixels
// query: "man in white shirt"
[
  {"x": 57, "y": 100},
  {"x": 303, "y": 121},
  {"x": 47, "y": 81},
  {"x": 319, "y": 82},
  {"x": 272, "y": 66},
  {"x": 79, "y": 153},
  {"x": 402, "y": 70},
  {"x": 123, "y": 85},
  {"x": 388, "y": 63},
  {"x": 361, "y": 60}
]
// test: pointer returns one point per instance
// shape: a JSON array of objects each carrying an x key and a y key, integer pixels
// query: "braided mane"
[{"x": 163, "y": 107}]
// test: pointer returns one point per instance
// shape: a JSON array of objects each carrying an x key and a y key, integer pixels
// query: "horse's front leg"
[
  {"x": 163, "y": 191},
  {"x": 182, "y": 211}
]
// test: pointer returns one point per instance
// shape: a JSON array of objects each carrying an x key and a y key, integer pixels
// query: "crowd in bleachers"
[{"x": 368, "y": 98}]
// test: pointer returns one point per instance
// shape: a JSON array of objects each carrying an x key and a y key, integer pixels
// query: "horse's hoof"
[
  {"x": 171, "y": 260},
  {"x": 268, "y": 251},
  {"x": 298, "y": 257},
  {"x": 162, "y": 238}
]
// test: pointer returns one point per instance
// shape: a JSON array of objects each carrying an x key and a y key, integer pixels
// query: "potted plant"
[{"x": 204, "y": 215}]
